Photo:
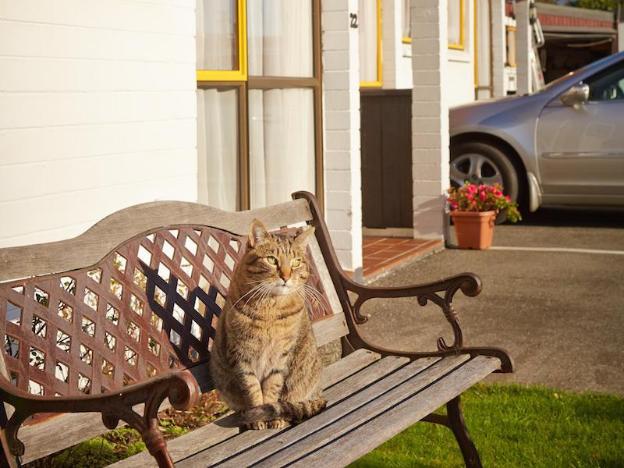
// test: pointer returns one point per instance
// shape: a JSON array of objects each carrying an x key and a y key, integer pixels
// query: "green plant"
[{"x": 477, "y": 198}]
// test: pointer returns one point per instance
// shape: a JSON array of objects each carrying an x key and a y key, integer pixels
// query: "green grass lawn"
[{"x": 514, "y": 426}]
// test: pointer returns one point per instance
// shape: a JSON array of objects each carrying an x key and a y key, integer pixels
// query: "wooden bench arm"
[{"x": 179, "y": 386}]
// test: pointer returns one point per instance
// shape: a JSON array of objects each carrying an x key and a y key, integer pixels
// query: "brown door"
[{"x": 386, "y": 158}]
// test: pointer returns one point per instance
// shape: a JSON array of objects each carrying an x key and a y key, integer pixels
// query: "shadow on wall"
[{"x": 430, "y": 219}]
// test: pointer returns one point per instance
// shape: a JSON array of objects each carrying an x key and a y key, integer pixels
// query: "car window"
[
  {"x": 608, "y": 85},
  {"x": 565, "y": 77}
]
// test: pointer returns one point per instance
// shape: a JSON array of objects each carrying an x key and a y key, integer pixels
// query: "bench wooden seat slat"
[
  {"x": 340, "y": 417},
  {"x": 346, "y": 390},
  {"x": 340, "y": 372},
  {"x": 339, "y": 451}
]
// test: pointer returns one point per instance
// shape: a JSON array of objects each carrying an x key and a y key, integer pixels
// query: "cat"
[{"x": 264, "y": 359}]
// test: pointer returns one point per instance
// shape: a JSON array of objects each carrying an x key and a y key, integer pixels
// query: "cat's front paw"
[
  {"x": 276, "y": 424},
  {"x": 255, "y": 426}
]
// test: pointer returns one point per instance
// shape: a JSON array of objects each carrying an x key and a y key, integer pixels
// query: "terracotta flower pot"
[{"x": 474, "y": 230}]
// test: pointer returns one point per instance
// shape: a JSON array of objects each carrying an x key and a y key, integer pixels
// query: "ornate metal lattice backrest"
[{"x": 148, "y": 306}]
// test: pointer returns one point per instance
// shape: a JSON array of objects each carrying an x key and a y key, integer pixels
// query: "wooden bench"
[{"x": 119, "y": 322}]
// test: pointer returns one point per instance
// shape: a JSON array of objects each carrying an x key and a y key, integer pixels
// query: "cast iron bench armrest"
[
  {"x": 179, "y": 386},
  {"x": 440, "y": 293},
  {"x": 469, "y": 283}
]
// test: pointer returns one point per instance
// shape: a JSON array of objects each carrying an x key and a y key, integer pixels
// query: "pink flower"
[
  {"x": 508, "y": 198},
  {"x": 454, "y": 205},
  {"x": 482, "y": 196},
  {"x": 498, "y": 193},
  {"x": 472, "y": 188}
]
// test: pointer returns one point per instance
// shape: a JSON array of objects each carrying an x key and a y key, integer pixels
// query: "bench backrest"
[{"x": 135, "y": 294}]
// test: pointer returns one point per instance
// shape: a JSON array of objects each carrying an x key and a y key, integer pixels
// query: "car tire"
[{"x": 495, "y": 167}]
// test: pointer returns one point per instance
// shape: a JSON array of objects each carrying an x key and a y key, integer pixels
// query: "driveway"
[{"x": 553, "y": 296}]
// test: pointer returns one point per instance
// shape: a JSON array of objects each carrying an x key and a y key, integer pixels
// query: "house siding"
[{"x": 98, "y": 112}]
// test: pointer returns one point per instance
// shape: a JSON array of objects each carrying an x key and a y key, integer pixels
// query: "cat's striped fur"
[{"x": 264, "y": 359}]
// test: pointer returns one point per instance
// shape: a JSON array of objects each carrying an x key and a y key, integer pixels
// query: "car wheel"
[{"x": 481, "y": 163}]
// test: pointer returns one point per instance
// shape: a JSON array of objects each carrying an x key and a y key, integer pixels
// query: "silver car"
[{"x": 563, "y": 145}]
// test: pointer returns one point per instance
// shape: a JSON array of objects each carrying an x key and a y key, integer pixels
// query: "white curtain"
[
  {"x": 280, "y": 37},
  {"x": 367, "y": 20},
  {"x": 281, "y": 121},
  {"x": 217, "y": 147},
  {"x": 217, "y": 35},
  {"x": 281, "y": 144}
]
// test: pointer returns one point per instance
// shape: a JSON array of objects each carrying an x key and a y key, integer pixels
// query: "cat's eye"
[
  {"x": 272, "y": 260},
  {"x": 295, "y": 262}
]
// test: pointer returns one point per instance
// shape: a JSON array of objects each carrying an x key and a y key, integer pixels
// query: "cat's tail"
[{"x": 294, "y": 412}]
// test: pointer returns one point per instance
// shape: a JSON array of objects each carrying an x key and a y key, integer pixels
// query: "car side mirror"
[{"x": 576, "y": 95}]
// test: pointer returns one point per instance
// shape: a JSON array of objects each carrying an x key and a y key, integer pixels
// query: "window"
[
  {"x": 259, "y": 102},
  {"x": 369, "y": 20},
  {"x": 607, "y": 85},
  {"x": 406, "y": 33},
  {"x": 456, "y": 22}
]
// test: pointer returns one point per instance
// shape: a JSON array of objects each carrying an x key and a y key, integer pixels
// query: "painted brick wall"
[
  {"x": 498, "y": 48},
  {"x": 430, "y": 131},
  {"x": 97, "y": 111},
  {"x": 341, "y": 105}
]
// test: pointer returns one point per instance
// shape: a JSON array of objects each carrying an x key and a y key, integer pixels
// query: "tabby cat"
[{"x": 264, "y": 359}]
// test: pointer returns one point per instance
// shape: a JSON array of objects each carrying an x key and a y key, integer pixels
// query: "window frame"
[
  {"x": 378, "y": 83},
  {"x": 239, "y": 74},
  {"x": 245, "y": 83},
  {"x": 461, "y": 45}
]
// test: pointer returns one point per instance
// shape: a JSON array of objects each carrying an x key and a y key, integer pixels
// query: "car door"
[{"x": 581, "y": 148}]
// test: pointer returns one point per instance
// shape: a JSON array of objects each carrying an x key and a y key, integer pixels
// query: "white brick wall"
[
  {"x": 341, "y": 105},
  {"x": 430, "y": 138},
  {"x": 98, "y": 111}
]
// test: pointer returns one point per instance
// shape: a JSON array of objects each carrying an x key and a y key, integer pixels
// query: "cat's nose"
[{"x": 285, "y": 274}]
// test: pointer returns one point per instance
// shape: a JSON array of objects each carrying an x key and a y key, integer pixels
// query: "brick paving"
[{"x": 381, "y": 254}]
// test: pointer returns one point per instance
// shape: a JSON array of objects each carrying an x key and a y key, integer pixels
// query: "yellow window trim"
[
  {"x": 462, "y": 20},
  {"x": 379, "y": 82},
  {"x": 241, "y": 73}
]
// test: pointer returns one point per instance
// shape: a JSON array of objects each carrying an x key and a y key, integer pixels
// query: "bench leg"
[
  {"x": 455, "y": 422},
  {"x": 458, "y": 426}
]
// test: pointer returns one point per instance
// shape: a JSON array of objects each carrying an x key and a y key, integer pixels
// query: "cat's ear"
[
  {"x": 304, "y": 237},
  {"x": 257, "y": 233}
]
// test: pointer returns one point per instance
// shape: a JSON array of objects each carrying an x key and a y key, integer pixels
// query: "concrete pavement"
[{"x": 560, "y": 314}]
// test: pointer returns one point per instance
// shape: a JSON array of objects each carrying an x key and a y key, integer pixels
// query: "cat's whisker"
[
  {"x": 251, "y": 291},
  {"x": 260, "y": 292},
  {"x": 315, "y": 295}
]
